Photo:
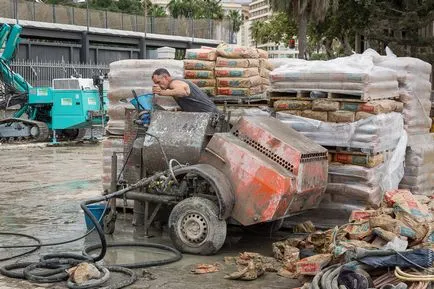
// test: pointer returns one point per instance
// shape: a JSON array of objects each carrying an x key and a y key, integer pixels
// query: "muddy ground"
[{"x": 40, "y": 191}]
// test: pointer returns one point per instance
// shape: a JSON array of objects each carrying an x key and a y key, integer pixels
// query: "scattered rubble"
[
  {"x": 206, "y": 268},
  {"x": 402, "y": 227}
]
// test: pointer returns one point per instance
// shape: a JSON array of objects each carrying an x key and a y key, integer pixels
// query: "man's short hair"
[{"x": 161, "y": 71}]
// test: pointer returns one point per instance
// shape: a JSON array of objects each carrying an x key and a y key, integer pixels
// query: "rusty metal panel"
[
  {"x": 260, "y": 185},
  {"x": 274, "y": 171},
  {"x": 182, "y": 136}
]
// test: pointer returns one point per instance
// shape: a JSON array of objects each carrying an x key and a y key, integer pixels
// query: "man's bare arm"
[{"x": 177, "y": 89}]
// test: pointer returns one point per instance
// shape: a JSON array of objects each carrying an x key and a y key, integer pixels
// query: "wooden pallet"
[
  {"x": 335, "y": 95},
  {"x": 248, "y": 100},
  {"x": 353, "y": 151}
]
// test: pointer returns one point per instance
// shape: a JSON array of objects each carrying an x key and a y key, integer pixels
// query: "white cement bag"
[{"x": 374, "y": 134}]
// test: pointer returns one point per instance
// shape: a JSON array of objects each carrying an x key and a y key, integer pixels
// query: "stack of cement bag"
[
  {"x": 419, "y": 165},
  {"x": 334, "y": 110},
  {"x": 432, "y": 111},
  {"x": 199, "y": 67},
  {"x": 237, "y": 71},
  {"x": 355, "y": 74},
  {"x": 365, "y": 135},
  {"x": 415, "y": 92},
  {"x": 265, "y": 68},
  {"x": 125, "y": 76},
  {"x": 366, "y": 156}
]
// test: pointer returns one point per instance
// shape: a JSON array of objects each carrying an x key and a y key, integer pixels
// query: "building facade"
[{"x": 260, "y": 10}]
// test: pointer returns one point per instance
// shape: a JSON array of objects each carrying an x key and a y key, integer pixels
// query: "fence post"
[
  {"x": 106, "y": 19},
  {"x": 136, "y": 24},
  {"x": 73, "y": 15},
  {"x": 122, "y": 21},
  {"x": 54, "y": 13},
  {"x": 16, "y": 10},
  {"x": 34, "y": 10},
  {"x": 87, "y": 15}
]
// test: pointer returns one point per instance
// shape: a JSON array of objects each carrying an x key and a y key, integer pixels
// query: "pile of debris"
[{"x": 397, "y": 236}]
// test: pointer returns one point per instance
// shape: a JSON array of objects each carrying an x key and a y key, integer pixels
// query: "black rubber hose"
[
  {"x": 47, "y": 264},
  {"x": 57, "y": 256},
  {"x": 45, "y": 244},
  {"x": 8, "y": 270},
  {"x": 123, "y": 283},
  {"x": 36, "y": 246},
  {"x": 175, "y": 258}
]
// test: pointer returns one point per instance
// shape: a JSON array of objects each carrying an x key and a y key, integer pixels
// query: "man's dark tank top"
[{"x": 197, "y": 101}]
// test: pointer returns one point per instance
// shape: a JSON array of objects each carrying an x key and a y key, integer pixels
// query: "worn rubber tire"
[{"x": 205, "y": 211}]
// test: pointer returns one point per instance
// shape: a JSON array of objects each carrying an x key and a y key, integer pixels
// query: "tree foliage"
[
  {"x": 305, "y": 12},
  {"x": 236, "y": 20},
  {"x": 278, "y": 29},
  {"x": 197, "y": 9},
  {"x": 156, "y": 11}
]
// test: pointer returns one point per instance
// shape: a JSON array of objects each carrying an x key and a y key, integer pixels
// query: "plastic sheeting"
[
  {"x": 352, "y": 74},
  {"x": 414, "y": 89},
  {"x": 419, "y": 165},
  {"x": 374, "y": 134},
  {"x": 133, "y": 74},
  {"x": 366, "y": 186}
]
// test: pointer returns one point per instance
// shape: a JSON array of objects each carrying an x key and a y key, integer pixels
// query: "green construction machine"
[{"x": 62, "y": 111}]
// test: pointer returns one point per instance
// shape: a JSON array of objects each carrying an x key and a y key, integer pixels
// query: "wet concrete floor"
[{"x": 40, "y": 191}]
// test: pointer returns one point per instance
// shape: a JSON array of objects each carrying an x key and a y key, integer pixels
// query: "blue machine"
[{"x": 63, "y": 110}]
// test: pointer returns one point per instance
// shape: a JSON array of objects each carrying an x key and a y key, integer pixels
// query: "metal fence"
[
  {"x": 197, "y": 28},
  {"x": 42, "y": 73}
]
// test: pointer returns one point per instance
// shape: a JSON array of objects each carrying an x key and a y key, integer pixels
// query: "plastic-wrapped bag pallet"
[
  {"x": 419, "y": 165},
  {"x": 357, "y": 185},
  {"x": 354, "y": 74},
  {"x": 133, "y": 74},
  {"x": 415, "y": 89},
  {"x": 374, "y": 134},
  {"x": 237, "y": 113}
]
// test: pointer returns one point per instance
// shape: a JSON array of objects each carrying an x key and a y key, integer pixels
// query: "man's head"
[{"x": 162, "y": 78}]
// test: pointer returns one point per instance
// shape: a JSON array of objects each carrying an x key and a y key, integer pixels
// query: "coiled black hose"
[
  {"x": 175, "y": 258},
  {"x": 36, "y": 246},
  {"x": 65, "y": 260}
]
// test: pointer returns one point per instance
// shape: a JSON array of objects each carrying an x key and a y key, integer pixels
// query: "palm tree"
[
  {"x": 236, "y": 21},
  {"x": 257, "y": 30},
  {"x": 156, "y": 11},
  {"x": 212, "y": 9},
  {"x": 175, "y": 8},
  {"x": 303, "y": 11}
]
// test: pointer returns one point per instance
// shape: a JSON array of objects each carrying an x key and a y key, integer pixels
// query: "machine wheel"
[
  {"x": 194, "y": 226},
  {"x": 72, "y": 134}
]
